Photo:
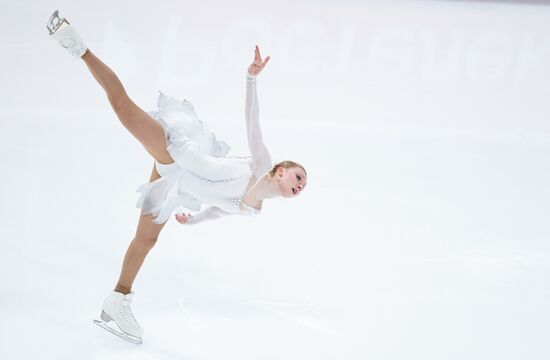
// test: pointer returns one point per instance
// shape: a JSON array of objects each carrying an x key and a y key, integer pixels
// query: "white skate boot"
[
  {"x": 116, "y": 307},
  {"x": 66, "y": 35}
]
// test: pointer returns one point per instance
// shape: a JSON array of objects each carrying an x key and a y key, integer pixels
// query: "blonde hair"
[{"x": 287, "y": 164}]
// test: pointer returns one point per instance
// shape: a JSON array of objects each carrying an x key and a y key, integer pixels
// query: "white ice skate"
[
  {"x": 116, "y": 307},
  {"x": 66, "y": 35}
]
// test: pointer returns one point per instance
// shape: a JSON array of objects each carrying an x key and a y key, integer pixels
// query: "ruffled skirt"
[{"x": 201, "y": 172}]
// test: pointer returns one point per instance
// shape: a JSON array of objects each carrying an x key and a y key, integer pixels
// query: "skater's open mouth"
[{"x": 293, "y": 191}]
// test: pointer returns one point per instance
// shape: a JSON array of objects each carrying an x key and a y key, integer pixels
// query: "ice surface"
[{"x": 423, "y": 232}]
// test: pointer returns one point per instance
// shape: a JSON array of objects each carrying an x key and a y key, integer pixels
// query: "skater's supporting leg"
[
  {"x": 144, "y": 128},
  {"x": 146, "y": 236}
]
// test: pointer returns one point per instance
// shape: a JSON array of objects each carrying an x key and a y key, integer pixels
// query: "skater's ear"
[{"x": 281, "y": 170}]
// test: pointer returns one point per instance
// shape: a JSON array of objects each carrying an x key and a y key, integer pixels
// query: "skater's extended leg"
[
  {"x": 146, "y": 236},
  {"x": 144, "y": 128}
]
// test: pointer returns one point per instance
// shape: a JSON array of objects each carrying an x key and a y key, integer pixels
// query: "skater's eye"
[{"x": 298, "y": 177}]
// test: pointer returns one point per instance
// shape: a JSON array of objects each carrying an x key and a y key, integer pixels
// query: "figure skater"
[{"x": 190, "y": 169}]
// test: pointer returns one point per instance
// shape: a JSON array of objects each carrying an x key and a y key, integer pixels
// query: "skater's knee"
[
  {"x": 120, "y": 103},
  {"x": 146, "y": 241}
]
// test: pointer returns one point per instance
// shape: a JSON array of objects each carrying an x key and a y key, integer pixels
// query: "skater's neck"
[{"x": 266, "y": 188}]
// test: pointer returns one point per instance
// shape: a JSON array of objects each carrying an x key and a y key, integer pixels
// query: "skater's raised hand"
[
  {"x": 182, "y": 218},
  {"x": 257, "y": 65}
]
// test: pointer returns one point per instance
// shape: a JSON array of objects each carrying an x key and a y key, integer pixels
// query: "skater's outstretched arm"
[
  {"x": 209, "y": 213},
  {"x": 260, "y": 155}
]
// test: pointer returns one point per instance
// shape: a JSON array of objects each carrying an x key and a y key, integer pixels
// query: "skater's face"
[{"x": 292, "y": 181}]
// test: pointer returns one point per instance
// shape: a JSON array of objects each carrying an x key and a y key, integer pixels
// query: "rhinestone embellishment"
[{"x": 214, "y": 181}]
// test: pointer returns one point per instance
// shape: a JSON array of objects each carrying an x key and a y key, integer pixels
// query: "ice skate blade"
[
  {"x": 127, "y": 337},
  {"x": 55, "y": 22}
]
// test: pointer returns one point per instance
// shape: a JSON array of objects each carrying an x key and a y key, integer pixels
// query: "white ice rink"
[{"x": 423, "y": 232}]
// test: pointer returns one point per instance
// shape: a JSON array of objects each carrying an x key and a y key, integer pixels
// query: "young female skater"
[{"x": 190, "y": 169}]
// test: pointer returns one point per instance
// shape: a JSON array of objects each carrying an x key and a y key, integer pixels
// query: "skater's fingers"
[
  {"x": 183, "y": 218},
  {"x": 258, "y": 56}
]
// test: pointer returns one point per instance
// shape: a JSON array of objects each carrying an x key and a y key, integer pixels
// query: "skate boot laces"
[{"x": 126, "y": 311}]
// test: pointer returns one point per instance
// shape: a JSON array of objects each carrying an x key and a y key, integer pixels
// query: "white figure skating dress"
[{"x": 202, "y": 173}]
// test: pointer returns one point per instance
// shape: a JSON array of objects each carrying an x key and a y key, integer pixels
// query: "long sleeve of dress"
[
  {"x": 260, "y": 155},
  {"x": 209, "y": 213}
]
